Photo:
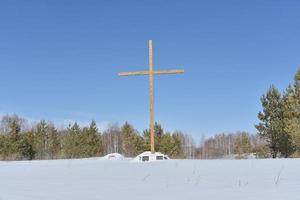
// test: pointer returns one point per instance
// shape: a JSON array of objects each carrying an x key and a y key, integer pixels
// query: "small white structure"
[
  {"x": 148, "y": 156},
  {"x": 114, "y": 156}
]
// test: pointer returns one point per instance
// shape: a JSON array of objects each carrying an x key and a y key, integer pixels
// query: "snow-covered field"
[{"x": 175, "y": 179}]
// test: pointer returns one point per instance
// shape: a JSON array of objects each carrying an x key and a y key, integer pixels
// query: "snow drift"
[
  {"x": 97, "y": 179},
  {"x": 114, "y": 156}
]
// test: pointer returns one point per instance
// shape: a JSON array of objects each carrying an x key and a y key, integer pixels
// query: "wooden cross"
[{"x": 151, "y": 73}]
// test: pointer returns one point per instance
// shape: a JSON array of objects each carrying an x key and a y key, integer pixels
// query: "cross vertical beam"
[
  {"x": 151, "y": 73},
  {"x": 151, "y": 98}
]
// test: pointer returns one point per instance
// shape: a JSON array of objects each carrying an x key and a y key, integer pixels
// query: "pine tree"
[
  {"x": 242, "y": 144},
  {"x": 291, "y": 109},
  {"x": 271, "y": 127}
]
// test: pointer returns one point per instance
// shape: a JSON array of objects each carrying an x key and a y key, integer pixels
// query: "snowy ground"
[{"x": 175, "y": 179}]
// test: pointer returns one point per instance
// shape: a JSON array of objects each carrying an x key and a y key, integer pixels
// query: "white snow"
[
  {"x": 114, "y": 156},
  {"x": 101, "y": 179}
]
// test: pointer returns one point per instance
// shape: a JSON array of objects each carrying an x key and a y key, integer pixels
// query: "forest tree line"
[
  {"x": 278, "y": 135},
  {"x": 42, "y": 140},
  {"x": 22, "y": 141}
]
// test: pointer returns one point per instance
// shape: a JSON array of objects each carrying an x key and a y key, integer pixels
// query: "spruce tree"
[
  {"x": 11, "y": 139},
  {"x": 53, "y": 143},
  {"x": 41, "y": 139},
  {"x": 158, "y": 133},
  {"x": 169, "y": 145},
  {"x": 14, "y": 139},
  {"x": 91, "y": 141},
  {"x": 4, "y": 146},
  {"x": 27, "y": 146},
  {"x": 72, "y": 142},
  {"x": 131, "y": 141}
]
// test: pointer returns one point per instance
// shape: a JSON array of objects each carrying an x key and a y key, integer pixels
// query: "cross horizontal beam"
[{"x": 139, "y": 73}]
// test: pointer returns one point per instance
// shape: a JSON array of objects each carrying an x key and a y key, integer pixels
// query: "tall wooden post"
[
  {"x": 151, "y": 98},
  {"x": 151, "y": 73}
]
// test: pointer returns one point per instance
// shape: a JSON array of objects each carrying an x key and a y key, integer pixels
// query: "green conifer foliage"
[
  {"x": 72, "y": 142},
  {"x": 131, "y": 141},
  {"x": 27, "y": 146},
  {"x": 242, "y": 145},
  {"x": 291, "y": 109},
  {"x": 91, "y": 141},
  {"x": 271, "y": 127},
  {"x": 169, "y": 145}
]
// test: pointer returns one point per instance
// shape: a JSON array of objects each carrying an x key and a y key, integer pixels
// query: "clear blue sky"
[{"x": 59, "y": 60}]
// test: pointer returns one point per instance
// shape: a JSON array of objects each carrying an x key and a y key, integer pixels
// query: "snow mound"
[
  {"x": 114, "y": 156},
  {"x": 148, "y": 156}
]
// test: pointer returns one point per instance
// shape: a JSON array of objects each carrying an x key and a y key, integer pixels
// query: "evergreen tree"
[
  {"x": 27, "y": 146},
  {"x": 271, "y": 127},
  {"x": 11, "y": 130},
  {"x": 41, "y": 139},
  {"x": 53, "y": 147},
  {"x": 72, "y": 141},
  {"x": 179, "y": 146},
  {"x": 4, "y": 146},
  {"x": 14, "y": 138},
  {"x": 158, "y": 133},
  {"x": 242, "y": 144},
  {"x": 169, "y": 145},
  {"x": 92, "y": 143},
  {"x": 291, "y": 109},
  {"x": 131, "y": 141}
]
